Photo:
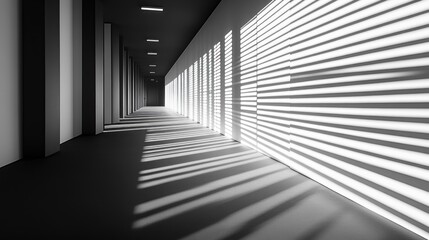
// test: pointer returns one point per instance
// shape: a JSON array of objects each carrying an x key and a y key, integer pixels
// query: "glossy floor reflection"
[{"x": 158, "y": 175}]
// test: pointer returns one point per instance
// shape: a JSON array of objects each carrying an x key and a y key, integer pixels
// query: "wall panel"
[
  {"x": 338, "y": 91},
  {"x": 10, "y": 83}
]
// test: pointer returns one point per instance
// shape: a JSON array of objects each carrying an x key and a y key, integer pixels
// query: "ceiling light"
[
  {"x": 152, "y": 53},
  {"x": 152, "y": 65},
  {"x": 152, "y": 72},
  {"x": 156, "y": 9},
  {"x": 152, "y": 40},
  {"x": 152, "y": 79}
]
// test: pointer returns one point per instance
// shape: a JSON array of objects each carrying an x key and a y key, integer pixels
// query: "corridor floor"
[{"x": 158, "y": 175}]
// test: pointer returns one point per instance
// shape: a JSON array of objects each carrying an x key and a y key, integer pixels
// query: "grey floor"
[{"x": 158, "y": 175}]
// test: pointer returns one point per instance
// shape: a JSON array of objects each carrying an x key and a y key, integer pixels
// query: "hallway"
[{"x": 158, "y": 175}]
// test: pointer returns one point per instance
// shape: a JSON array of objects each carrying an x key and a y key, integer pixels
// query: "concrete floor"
[{"x": 158, "y": 175}]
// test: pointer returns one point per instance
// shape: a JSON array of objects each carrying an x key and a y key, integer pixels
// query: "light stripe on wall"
[{"x": 338, "y": 91}]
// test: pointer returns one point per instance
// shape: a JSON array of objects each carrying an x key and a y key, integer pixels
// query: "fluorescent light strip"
[
  {"x": 152, "y": 65},
  {"x": 152, "y": 53},
  {"x": 155, "y": 9},
  {"x": 152, "y": 40}
]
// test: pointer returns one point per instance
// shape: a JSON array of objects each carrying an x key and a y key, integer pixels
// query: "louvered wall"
[{"x": 337, "y": 90}]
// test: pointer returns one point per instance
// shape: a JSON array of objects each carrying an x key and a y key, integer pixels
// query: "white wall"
[
  {"x": 10, "y": 82},
  {"x": 338, "y": 91},
  {"x": 70, "y": 69}
]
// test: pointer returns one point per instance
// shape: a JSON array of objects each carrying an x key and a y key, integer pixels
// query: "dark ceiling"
[{"x": 174, "y": 27}]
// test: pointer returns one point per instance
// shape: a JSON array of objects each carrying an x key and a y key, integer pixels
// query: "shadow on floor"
[
  {"x": 157, "y": 175},
  {"x": 85, "y": 190},
  {"x": 197, "y": 184}
]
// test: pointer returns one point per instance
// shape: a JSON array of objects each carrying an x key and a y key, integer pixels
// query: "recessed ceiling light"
[
  {"x": 156, "y": 9},
  {"x": 152, "y": 53},
  {"x": 152, "y": 65},
  {"x": 152, "y": 72},
  {"x": 152, "y": 40},
  {"x": 152, "y": 79}
]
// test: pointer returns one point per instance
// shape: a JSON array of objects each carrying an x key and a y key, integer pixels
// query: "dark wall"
[
  {"x": 99, "y": 69},
  {"x": 107, "y": 83},
  {"x": 52, "y": 85},
  {"x": 92, "y": 67},
  {"x": 154, "y": 93},
  {"x": 41, "y": 78},
  {"x": 115, "y": 74}
]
